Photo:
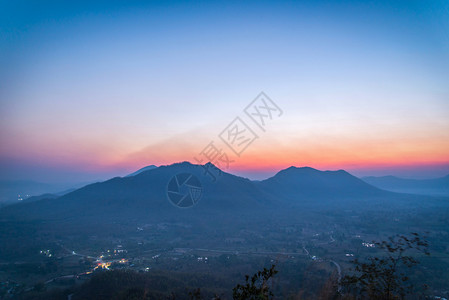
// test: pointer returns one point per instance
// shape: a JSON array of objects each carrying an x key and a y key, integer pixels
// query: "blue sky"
[{"x": 95, "y": 88}]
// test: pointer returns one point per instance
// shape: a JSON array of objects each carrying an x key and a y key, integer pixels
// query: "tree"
[
  {"x": 195, "y": 294},
  {"x": 256, "y": 288},
  {"x": 39, "y": 287},
  {"x": 386, "y": 277}
]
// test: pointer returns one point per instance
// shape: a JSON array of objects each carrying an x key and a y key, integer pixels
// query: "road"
[
  {"x": 240, "y": 252},
  {"x": 339, "y": 274}
]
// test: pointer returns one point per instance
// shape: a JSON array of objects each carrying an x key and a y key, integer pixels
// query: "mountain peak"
[
  {"x": 189, "y": 164},
  {"x": 307, "y": 182},
  {"x": 296, "y": 170},
  {"x": 144, "y": 169},
  {"x": 300, "y": 168}
]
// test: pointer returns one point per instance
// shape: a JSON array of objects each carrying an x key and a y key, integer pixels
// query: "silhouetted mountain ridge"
[
  {"x": 304, "y": 183},
  {"x": 435, "y": 186},
  {"x": 145, "y": 194}
]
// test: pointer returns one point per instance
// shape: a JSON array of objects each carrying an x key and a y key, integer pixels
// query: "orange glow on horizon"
[{"x": 268, "y": 154}]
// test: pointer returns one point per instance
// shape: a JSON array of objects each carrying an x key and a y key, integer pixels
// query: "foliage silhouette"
[
  {"x": 386, "y": 277},
  {"x": 257, "y": 288}
]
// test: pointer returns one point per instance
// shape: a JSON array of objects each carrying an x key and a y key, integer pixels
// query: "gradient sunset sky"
[{"x": 95, "y": 89}]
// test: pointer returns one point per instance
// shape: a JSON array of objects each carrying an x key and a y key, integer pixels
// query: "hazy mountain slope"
[
  {"x": 146, "y": 193},
  {"x": 437, "y": 186},
  {"x": 147, "y": 168},
  {"x": 11, "y": 189}
]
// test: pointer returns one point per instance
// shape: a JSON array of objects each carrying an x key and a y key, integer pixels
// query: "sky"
[{"x": 96, "y": 89}]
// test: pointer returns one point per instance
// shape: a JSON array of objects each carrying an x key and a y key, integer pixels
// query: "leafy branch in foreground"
[
  {"x": 257, "y": 287},
  {"x": 385, "y": 277}
]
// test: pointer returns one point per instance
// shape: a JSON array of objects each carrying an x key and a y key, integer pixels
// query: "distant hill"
[
  {"x": 40, "y": 197},
  {"x": 11, "y": 189},
  {"x": 307, "y": 183},
  {"x": 436, "y": 187},
  {"x": 46, "y": 196},
  {"x": 146, "y": 194},
  {"x": 147, "y": 168}
]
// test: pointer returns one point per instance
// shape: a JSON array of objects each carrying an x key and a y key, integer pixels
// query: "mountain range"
[
  {"x": 145, "y": 194},
  {"x": 436, "y": 187}
]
